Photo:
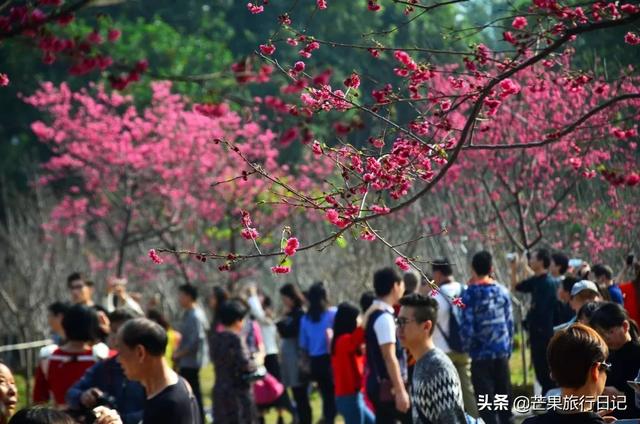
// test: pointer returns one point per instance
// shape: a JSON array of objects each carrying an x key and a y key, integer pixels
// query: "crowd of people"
[{"x": 407, "y": 353}]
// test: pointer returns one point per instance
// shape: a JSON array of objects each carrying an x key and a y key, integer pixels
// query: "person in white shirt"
[
  {"x": 442, "y": 274},
  {"x": 117, "y": 297}
]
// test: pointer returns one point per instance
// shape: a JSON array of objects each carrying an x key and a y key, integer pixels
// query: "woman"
[
  {"x": 290, "y": 358},
  {"x": 8, "y": 394},
  {"x": 315, "y": 335},
  {"x": 347, "y": 360},
  {"x": 217, "y": 298},
  {"x": 577, "y": 360},
  {"x": 173, "y": 336},
  {"x": 620, "y": 332},
  {"x": 232, "y": 396}
]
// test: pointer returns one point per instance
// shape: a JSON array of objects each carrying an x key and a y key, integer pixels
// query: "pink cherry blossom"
[
  {"x": 280, "y": 269},
  {"x": 402, "y": 263},
  {"x": 519, "y": 22}
]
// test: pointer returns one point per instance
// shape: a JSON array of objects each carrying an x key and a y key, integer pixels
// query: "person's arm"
[
  {"x": 190, "y": 338},
  {"x": 41, "y": 385},
  {"x": 466, "y": 325},
  {"x": 509, "y": 319},
  {"x": 86, "y": 382},
  {"x": 618, "y": 279},
  {"x": 393, "y": 369},
  {"x": 355, "y": 339},
  {"x": 257, "y": 310},
  {"x": 303, "y": 339}
]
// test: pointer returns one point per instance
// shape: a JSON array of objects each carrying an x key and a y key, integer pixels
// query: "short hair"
[
  {"x": 121, "y": 315},
  {"x": 232, "y": 311},
  {"x": 561, "y": 260},
  {"x": 292, "y": 292},
  {"x": 366, "y": 300},
  {"x": 482, "y": 262},
  {"x": 443, "y": 266},
  {"x": 41, "y": 415},
  {"x": 586, "y": 311},
  {"x": 572, "y": 352},
  {"x": 601, "y": 270},
  {"x": 425, "y": 308},
  {"x": 190, "y": 290},
  {"x": 157, "y": 316},
  {"x": 146, "y": 333},
  {"x": 383, "y": 281},
  {"x": 80, "y": 323},
  {"x": 74, "y": 276},
  {"x": 58, "y": 308},
  {"x": 410, "y": 282},
  {"x": 569, "y": 281},
  {"x": 544, "y": 256}
]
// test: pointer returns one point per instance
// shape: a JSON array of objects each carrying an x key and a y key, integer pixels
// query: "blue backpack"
[{"x": 452, "y": 336}]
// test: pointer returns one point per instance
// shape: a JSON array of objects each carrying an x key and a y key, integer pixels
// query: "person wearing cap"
[
  {"x": 117, "y": 297},
  {"x": 582, "y": 292}
]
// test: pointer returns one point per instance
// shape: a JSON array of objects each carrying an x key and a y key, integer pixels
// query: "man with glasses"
[
  {"x": 436, "y": 390},
  {"x": 80, "y": 289}
]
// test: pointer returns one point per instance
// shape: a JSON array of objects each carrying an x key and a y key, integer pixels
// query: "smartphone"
[
  {"x": 575, "y": 263},
  {"x": 630, "y": 259}
]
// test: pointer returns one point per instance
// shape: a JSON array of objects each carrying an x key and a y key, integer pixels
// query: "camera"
[
  {"x": 511, "y": 256},
  {"x": 87, "y": 416},
  {"x": 106, "y": 400}
]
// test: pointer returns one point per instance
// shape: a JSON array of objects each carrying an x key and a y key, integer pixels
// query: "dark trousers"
[
  {"x": 322, "y": 373},
  {"x": 539, "y": 343},
  {"x": 192, "y": 375},
  {"x": 301, "y": 396},
  {"x": 491, "y": 377},
  {"x": 272, "y": 364}
]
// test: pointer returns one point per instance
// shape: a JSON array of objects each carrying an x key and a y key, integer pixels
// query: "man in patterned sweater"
[
  {"x": 487, "y": 335},
  {"x": 436, "y": 393}
]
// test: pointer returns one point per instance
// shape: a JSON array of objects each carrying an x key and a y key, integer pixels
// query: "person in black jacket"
[{"x": 294, "y": 367}]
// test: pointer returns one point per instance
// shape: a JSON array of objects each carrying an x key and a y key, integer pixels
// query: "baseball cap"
[{"x": 583, "y": 285}]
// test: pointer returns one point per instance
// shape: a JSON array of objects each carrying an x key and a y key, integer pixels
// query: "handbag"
[{"x": 267, "y": 390}]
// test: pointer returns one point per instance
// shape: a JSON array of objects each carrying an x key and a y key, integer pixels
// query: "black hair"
[
  {"x": 443, "y": 266},
  {"x": 190, "y": 290},
  {"x": 544, "y": 256},
  {"x": 586, "y": 311},
  {"x": 157, "y": 316},
  {"x": 410, "y": 282},
  {"x": 124, "y": 314},
  {"x": 345, "y": 321},
  {"x": 601, "y": 270},
  {"x": 383, "y": 281},
  {"x": 146, "y": 333},
  {"x": 610, "y": 315},
  {"x": 569, "y": 281},
  {"x": 58, "y": 308},
  {"x": 318, "y": 301},
  {"x": 425, "y": 308},
  {"x": 232, "y": 311},
  {"x": 481, "y": 263},
  {"x": 561, "y": 260},
  {"x": 41, "y": 415},
  {"x": 74, "y": 276},
  {"x": 80, "y": 323},
  {"x": 292, "y": 292},
  {"x": 366, "y": 300}
]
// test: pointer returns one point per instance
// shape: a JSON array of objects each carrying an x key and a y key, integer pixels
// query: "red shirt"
[
  {"x": 57, "y": 373},
  {"x": 348, "y": 363},
  {"x": 631, "y": 300}
]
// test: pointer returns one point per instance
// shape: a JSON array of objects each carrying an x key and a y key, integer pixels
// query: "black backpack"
[{"x": 452, "y": 336}]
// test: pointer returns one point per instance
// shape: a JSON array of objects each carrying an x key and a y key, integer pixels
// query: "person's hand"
[
  {"x": 89, "y": 397},
  {"x": 103, "y": 322},
  {"x": 252, "y": 290},
  {"x": 402, "y": 400},
  {"x": 105, "y": 415},
  {"x": 609, "y": 419}
]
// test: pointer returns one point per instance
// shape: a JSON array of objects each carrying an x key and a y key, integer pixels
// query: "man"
[
  {"x": 442, "y": 273},
  {"x": 105, "y": 382},
  {"x": 487, "y": 334},
  {"x": 540, "y": 318},
  {"x": 385, "y": 386},
  {"x": 603, "y": 275},
  {"x": 410, "y": 283},
  {"x": 117, "y": 297},
  {"x": 170, "y": 400},
  {"x": 191, "y": 352},
  {"x": 8, "y": 394},
  {"x": 81, "y": 289},
  {"x": 435, "y": 388},
  {"x": 582, "y": 292}
]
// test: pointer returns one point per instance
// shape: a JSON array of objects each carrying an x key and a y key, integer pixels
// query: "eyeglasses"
[
  {"x": 401, "y": 321},
  {"x": 604, "y": 366},
  {"x": 77, "y": 287}
]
